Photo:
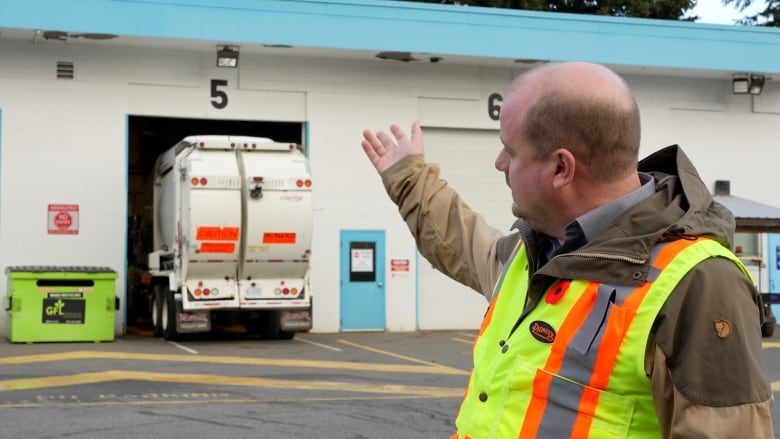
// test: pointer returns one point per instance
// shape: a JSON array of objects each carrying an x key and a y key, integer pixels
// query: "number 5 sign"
[{"x": 63, "y": 219}]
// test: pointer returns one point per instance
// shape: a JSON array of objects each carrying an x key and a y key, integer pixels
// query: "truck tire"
[
  {"x": 275, "y": 327},
  {"x": 169, "y": 315},
  {"x": 157, "y": 298},
  {"x": 286, "y": 335}
]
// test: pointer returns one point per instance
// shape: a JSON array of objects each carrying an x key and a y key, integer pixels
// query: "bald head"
[
  {"x": 583, "y": 107},
  {"x": 577, "y": 79}
]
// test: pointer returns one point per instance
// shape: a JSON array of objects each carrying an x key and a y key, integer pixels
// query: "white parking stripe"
[
  {"x": 324, "y": 346},
  {"x": 184, "y": 348}
]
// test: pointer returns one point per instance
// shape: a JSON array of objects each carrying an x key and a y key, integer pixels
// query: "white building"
[{"x": 92, "y": 90}]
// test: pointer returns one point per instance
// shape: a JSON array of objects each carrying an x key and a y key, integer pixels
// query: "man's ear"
[{"x": 565, "y": 165}]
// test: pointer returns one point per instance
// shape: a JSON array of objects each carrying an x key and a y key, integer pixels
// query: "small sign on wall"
[
  {"x": 399, "y": 265},
  {"x": 63, "y": 219}
]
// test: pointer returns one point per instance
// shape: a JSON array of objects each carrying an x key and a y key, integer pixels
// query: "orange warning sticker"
[
  {"x": 279, "y": 238},
  {"x": 214, "y": 233},
  {"x": 217, "y": 247}
]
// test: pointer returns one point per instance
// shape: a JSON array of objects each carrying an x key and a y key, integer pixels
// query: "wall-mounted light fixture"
[
  {"x": 396, "y": 56},
  {"x": 756, "y": 84},
  {"x": 742, "y": 83},
  {"x": 227, "y": 56}
]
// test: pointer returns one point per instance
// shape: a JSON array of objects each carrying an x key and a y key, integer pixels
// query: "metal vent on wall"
[{"x": 65, "y": 70}]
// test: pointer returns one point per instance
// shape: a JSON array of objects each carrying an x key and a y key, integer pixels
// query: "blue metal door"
[
  {"x": 773, "y": 262},
  {"x": 362, "y": 280}
]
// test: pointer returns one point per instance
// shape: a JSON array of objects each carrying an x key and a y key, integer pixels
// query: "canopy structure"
[{"x": 751, "y": 216}]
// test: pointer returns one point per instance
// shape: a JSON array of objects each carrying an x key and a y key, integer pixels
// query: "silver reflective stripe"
[
  {"x": 592, "y": 325},
  {"x": 560, "y": 415}
]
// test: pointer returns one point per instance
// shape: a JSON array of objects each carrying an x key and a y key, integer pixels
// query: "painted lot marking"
[
  {"x": 435, "y": 366},
  {"x": 462, "y": 340},
  {"x": 376, "y": 390},
  {"x": 341, "y": 365},
  {"x": 126, "y": 375},
  {"x": 149, "y": 401},
  {"x": 324, "y": 346}
]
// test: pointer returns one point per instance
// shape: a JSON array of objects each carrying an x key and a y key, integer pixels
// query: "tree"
[
  {"x": 662, "y": 9},
  {"x": 769, "y": 16}
]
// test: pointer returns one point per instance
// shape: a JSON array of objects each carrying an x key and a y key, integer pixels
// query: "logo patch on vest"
[
  {"x": 542, "y": 331},
  {"x": 722, "y": 328}
]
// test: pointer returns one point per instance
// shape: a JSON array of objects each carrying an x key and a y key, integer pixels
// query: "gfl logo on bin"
[{"x": 56, "y": 309}]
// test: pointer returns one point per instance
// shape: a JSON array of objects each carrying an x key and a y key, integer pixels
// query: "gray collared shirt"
[{"x": 592, "y": 223}]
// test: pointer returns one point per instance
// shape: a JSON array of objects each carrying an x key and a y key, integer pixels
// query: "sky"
[{"x": 713, "y": 11}]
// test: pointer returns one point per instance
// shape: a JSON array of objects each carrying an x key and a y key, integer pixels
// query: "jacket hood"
[
  {"x": 681, "y": 207},
  {"x": 703, "y": 216}
]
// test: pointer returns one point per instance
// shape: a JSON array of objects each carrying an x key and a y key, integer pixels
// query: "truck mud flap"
[
  {"x": 295, "y": 320},
  {"x": 191, "y": 322}
]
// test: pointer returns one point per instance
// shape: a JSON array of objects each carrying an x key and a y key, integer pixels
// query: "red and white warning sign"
[{"x": 63, "y": 219}]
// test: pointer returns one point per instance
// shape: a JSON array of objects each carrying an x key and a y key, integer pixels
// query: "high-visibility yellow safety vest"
[{"x": 575, "y": 365}]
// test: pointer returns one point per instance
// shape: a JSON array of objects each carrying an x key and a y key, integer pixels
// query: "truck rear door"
[{"x": 278, "y": 224}]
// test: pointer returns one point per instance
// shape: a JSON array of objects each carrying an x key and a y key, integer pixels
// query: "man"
[{"x": 617, "y": 309}]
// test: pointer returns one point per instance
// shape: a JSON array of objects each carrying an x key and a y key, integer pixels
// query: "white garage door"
[{"x": 467, "y": 160}]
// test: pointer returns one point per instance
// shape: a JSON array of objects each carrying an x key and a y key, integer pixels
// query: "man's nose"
[{"x": 500, "y": 163}]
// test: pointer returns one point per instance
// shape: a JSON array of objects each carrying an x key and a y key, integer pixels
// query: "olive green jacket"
[{"x": 706, "y": 383}]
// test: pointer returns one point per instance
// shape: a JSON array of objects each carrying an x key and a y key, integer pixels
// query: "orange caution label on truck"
[
  {"x": 217, "y": 247},
  {"x": 279, "y": 238},
  {"x": 215, "y": 233}
]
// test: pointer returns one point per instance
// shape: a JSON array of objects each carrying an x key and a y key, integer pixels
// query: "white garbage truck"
[{"x": 232, "y": 221}]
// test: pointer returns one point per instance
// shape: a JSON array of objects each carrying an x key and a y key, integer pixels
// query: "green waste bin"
[{"x": 60, "y": 304}]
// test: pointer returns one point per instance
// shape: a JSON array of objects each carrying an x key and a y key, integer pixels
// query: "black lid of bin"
[{"x": 58, "y": 269}]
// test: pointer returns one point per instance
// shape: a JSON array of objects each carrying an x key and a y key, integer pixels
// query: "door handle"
[{"x": 379, "y": 284}]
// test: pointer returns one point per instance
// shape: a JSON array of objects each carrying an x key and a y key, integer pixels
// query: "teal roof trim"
[{"x": 414, "y": 27}]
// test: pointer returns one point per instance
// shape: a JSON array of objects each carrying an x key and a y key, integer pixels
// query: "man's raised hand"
[{"x": 385, "y": 152}]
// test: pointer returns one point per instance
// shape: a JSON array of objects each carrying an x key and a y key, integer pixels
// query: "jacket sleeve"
[
  {"x": 708, "y": 373},
  {"x": 454, "y": 239}
]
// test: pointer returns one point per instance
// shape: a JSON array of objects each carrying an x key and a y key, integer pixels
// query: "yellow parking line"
[
  {"x": 462, "y": 340},
  {"x": 146, "y": 402},
  {"x": 770, "y": 344},
  {"x": 438, "y": 367},
  {"x": 341, "y": 365},
  {"x": 125, "y": 375}
]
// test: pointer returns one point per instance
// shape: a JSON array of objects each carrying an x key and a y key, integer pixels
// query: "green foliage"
[
  {"x": 769, "y": 16},
  {"x": 661, "y": 9}
]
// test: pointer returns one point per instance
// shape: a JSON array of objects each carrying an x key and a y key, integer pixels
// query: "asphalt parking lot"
[
  {"x": 228, "y": 385},
  {"x": 345, "y": 385}
]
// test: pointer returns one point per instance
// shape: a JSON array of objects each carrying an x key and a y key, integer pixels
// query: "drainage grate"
[{"x": 65, "y": 70}]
